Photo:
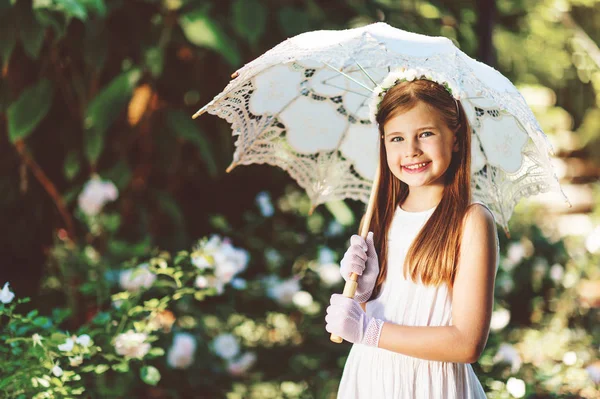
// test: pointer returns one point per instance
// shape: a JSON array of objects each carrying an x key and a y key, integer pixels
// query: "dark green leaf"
[
  {"x": 202, "y": 31},
  {"x": 29, "y": 109},
  {"x": 101, "y": 368},
  {"x": 58, "y": 21},
  {"x": 249, "y": 19},
  {"x": 104, "y": 109},
  {"x": 121, "y": 367},
  {"x": 154, "y": 59},
  {"x": 150, "y": 375},
  {"x": 170, "y": 206},
  {"x": 71, "y": 166},
  {"x": 120, "y": 174},
  {"x": 184, "y": 127},
  {"x": 98, "y": 6},
  {"x": 95, "y": 44},
  {"x": 293, "y": 21},
  {"x": 31, "y": 31},
  {"x": 73, "y": 8},
  {"x": 8, "y": 33}
]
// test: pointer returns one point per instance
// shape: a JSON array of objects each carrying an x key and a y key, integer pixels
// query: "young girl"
[{"x": 422, "y": 309}]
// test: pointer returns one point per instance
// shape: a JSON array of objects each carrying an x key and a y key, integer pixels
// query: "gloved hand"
[
  {"x": 361, "y": 258},
  {"x": 345, "y": 318}
]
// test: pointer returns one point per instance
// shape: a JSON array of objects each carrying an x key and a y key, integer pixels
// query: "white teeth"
[{"x": 416, "y": 166}]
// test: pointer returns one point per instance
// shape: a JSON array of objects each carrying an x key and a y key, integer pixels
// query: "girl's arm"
[{"x": 472, "y": 301}]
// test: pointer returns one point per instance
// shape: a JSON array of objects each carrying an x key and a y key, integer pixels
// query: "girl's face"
[{"x": 415, "y": 137}]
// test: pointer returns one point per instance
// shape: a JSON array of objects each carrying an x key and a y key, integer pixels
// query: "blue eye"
[{"x": 393, "y": 139}]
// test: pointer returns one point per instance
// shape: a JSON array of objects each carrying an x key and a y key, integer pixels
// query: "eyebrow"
[{"x": 418, "y": 130}]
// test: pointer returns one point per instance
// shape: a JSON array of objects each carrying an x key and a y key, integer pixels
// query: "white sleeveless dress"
[{"x": 375, "y": 373}]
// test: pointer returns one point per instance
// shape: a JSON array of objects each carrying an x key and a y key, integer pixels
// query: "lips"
[{"x": 424, "y": 166}]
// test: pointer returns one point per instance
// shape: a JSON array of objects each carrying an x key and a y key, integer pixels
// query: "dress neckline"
[{"x": 399, "y": 208}]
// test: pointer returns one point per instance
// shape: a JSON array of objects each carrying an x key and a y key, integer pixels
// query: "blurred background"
[{"x": 152, "y": 273}]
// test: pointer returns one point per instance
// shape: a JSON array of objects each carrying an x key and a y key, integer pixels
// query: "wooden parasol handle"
[{"x": 352, "y": 283}]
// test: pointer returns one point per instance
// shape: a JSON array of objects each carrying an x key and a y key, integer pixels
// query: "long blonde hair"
[{"x": 434, "y": 253}]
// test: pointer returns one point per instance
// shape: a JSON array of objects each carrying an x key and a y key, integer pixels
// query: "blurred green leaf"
[
  {"x": 29, "y": 109},
  {"x": 73, "y": 8},
  {"x": 184, "y": 127},
  {"x": 170, "y": 206},
  {"x": 155, "y": 61},
  {"x": 95, "y": 44},
  {"x": 101, "y": 368},
  {"x": 71, "y": 165},
  {"x": 202, "y": 31},
  {"x": 293, "y": 21},
  {"x": 31, "y": 31},
  {"x": 8, "y": 33},
  {"x": 155, "y": 352},
  {"x": 98, "y": 6},
  {"x": 120, "y": 174},
  {"x": 341, "y": 212},
  {"x": 55, "y": 20},
  {"x": 150, "y": 375},
  {"x": 104, "y": 109},
  {"x": 249, "y": 19}
]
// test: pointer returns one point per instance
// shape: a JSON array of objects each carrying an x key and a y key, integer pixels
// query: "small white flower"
[
  {"x": 181, "y": 353},
  {"x": 334, "y": 229},
  {"x": 67, "y": 346},
  {"x": 134, "y": 279},
  {"x": 508, "y": 354},
  {"x": 570, "y": 358},
  {"x": 516, "y": 387},
  {"x": 515, "y": 252},
  {"x": 241, "y": 366},
  {"x": 84, "y": 340},
  {"x": 56, "y": 370},
  {"x": 592, "y": 242},
  {"x": 96, "y": 192},
  {"x": 226, "y": 346},
  {"x": 132, "y": 344},
  {"x": 239, "y": 283},
  {"x": 557, "y": 272},
  {"x": 329, "y": 273},
  {"x": 6, "y": 295},
  {"x": 403, "y": 74},
  {"x": 263, "y": 200},
  {"x": 283, "y": 291},
  {"x": 594, "y": 372},
  {"x": 302, "y": 299},
  {"x": 201, "y": 261},
  {"x": 37, "y": 339},
  {"x": 201, "y": 282},
  {"x": 500, "y": 319},
  {"x": 76, "y": 361}
]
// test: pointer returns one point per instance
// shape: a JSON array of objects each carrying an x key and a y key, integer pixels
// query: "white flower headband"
[{"x": 406, "y": 75}]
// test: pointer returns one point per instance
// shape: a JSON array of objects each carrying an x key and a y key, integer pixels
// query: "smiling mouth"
[{"x": 416, "y": 168}]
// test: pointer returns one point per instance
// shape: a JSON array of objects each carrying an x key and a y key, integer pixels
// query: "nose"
[{"x": 412, "y": 149}]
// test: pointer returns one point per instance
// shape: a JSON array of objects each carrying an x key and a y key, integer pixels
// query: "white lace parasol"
[{"x": 304, "y": 106}]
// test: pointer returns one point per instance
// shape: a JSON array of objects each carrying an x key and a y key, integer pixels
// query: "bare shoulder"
[
  {"x": 478, "y": 218},
  {"x": 479, "y": 229}
]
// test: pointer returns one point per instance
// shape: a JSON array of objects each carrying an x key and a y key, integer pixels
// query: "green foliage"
[
  {"x": 201, "y": 30},
  {"x": 104, "y": 109},
  {"x": 250, "y": 17},
  {"x": 29, "y": 110}
]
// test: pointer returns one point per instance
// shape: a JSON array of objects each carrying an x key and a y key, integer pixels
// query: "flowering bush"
[{"x": 224, "y": 321}]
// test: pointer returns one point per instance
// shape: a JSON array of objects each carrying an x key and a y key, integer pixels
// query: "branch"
[{"x": 48, "y": 186}]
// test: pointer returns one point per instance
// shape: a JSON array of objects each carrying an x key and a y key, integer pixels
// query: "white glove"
[
  {"x": 345, "y": 318},
  {"x": 361, "y": 258}
]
